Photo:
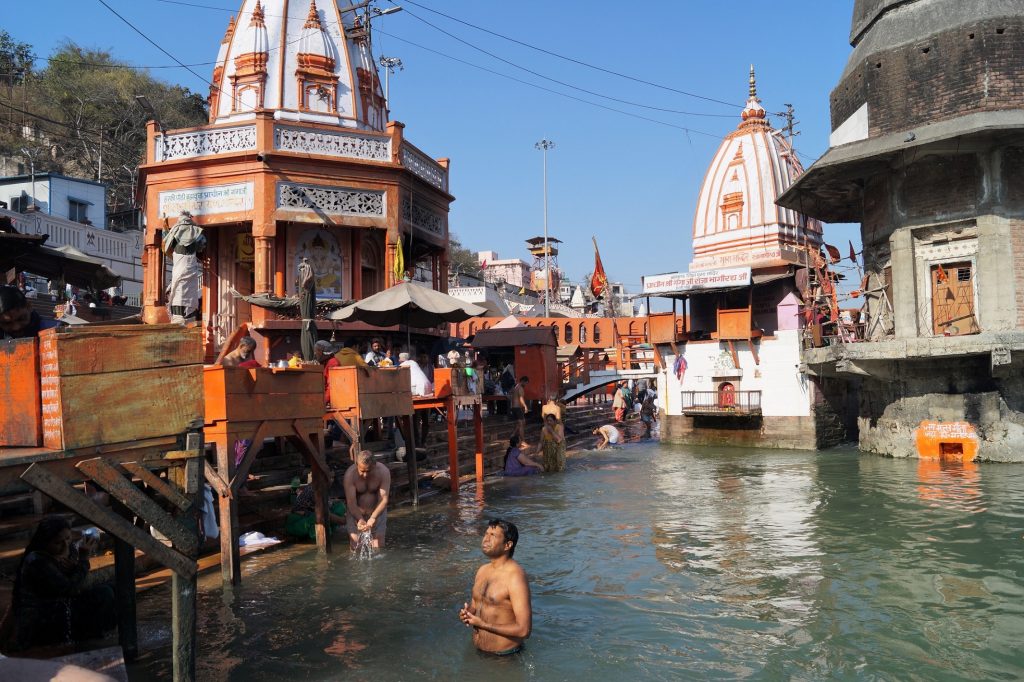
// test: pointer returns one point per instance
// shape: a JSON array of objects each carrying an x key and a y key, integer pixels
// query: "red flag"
[
  {"x": 483, "y": 266},
  {"x": 853, "y": 254},
  {"x": 940, "y": 275},
  {"x": 833, "y": 253},
  {"x": 598, "y": 281}
]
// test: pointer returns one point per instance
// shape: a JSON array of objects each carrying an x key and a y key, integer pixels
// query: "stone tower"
[{"x": 927, "y": 153}]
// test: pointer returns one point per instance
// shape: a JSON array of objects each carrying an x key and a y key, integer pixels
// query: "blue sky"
[{"x": 632, "y": 183}]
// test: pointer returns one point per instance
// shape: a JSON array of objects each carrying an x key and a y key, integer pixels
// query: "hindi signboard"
[
  {"x": 681, "y": 282},
  {"x": 234, "y": 198}
]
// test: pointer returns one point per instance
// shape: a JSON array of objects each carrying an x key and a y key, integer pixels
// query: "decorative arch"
[
  {"x": 583, "y": 333},
  {"x": 568, "y": 333},
  {"x": 597, "y": 332},
  {"x": 371, "y": 265}
]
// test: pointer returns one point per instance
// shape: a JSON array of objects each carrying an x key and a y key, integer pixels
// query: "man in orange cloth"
[{"x": 500, "y": 613}]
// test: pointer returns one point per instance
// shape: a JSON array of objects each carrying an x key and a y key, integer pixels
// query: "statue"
[{"x": 185, "y": 242}]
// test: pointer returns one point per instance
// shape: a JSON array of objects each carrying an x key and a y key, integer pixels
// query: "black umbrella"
[{"x": 307, "y": 309}]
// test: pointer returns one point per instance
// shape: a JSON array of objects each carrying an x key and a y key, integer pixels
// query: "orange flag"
[
  {"x": 833, "y": 253},
  {"x": 940, "y": 275},
  {"x": 598, "y": 281},
  {"x": 853, "y": 254}
]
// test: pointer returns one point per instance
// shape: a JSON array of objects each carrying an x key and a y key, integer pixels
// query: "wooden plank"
[
  {"x": 21, "y": 417},
  {"x": 263, "y": 407},
  {"x": 230, "y": 380},
  {"x": 230, "y": 561},
  {"x": 375, "y": 405},
  {"x": 121, "y": 407},
  {"x": 184, "y": 592},
  {"x": 42, "y": 479},
  {"x": 157, "y": 484},
  {"x": 111, "y": 480},
  {"x": 126, "y": 347},
  {"x": 124, "y": 592},
  {"x": 255, "y": 445},
  {"x": 453, "y": 446}
]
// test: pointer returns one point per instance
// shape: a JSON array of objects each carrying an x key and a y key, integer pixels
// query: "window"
[
  {"x": 583, "y": 333},
  {"x": 78, "y": 211},
  {"x": 568, "y": 334},
  {"x": 597, "y": 333}
]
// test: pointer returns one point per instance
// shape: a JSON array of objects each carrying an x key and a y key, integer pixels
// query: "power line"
[
  {"x": 541, "y": 87},
  {"x": 555, "y": 80},
  {"x": 564, "y": 57}
]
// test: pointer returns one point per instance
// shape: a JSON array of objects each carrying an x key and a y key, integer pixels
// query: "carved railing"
[
  {"x": 424, "y": 167},
  {"x": 171, "y": 146},
  {"x": 331, "y": 200},
  {"x": 723, "y": 403},
  {"x": 349, "y": 145}
]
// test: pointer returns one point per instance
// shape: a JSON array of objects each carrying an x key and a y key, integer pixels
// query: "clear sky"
[{"x": 632, "y": 183}]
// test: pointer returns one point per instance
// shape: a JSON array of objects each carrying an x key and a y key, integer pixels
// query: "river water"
[{"x": 658, "y": 562}]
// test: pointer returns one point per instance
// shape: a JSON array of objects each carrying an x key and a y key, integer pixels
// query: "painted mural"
[{"x": 324, "y": 254}]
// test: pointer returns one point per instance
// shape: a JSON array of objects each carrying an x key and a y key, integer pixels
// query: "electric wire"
[
  {"x": 555, "y": 80},
  {"x": 573, "y": 60}
]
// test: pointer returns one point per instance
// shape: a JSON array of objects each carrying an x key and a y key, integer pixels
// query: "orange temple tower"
[{"x": 299, "y": 160}]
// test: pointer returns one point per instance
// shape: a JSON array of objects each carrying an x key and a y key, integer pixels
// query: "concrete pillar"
[
  {"x": 996, "y": 285},
  {"x": 904, "y": 283}
]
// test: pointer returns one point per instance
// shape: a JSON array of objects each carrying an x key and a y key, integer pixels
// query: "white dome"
[
  {"x": 314, "y": 41},
  {"x": 254, "y": 37},
  {"x": 303, "y": 62},
  {"x": 737, "y": 222}
]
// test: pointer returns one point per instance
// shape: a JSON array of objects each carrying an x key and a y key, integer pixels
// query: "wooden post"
[
  {"x": 124, "y": 590},
  {"x": 410, "y": 456},
  {"x": 184, "y": 589},
  {"x": 323, "y": 529},
  {"x": 230, "y": 561},
  {"x": 453, "y": 444},
  {"x": 478, "y": 427}
]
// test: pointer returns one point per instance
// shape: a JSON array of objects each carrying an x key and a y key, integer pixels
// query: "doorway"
[{"x": 953, "y": 299}]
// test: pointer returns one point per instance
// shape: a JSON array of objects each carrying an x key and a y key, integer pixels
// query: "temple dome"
[
  {"x": 300, "y": 61},
  {"x": 737, "y": 222}
]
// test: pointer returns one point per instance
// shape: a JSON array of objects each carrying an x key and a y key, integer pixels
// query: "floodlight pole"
[{"x": 544, "y": 145}]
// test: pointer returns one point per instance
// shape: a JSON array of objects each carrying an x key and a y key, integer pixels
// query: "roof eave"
[{"x": 831, "y": 189}]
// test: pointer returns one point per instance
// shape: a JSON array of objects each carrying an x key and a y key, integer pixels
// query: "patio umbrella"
[
  {"x": 409, "y": 304},
  {"x": 307, "y": 309}
]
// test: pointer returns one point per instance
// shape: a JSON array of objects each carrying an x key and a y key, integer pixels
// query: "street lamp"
[
  {"x": 544, "y": 145},
  {"x": 390, "y": 64}
]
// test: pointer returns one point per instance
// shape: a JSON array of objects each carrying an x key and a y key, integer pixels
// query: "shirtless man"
[
  {"x": 242, "y": 356},
  {"x": 366, "y": 497},
  {"x": 517, "y": 408},
  {"x": 500, "y": 613}
]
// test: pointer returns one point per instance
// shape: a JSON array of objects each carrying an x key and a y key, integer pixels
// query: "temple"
[
  {"x": 299, "y": 160},
  {"x": 731, "y": 375}
]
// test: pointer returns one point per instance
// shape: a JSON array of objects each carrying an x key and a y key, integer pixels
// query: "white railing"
[
  {"x": 204, "y": 142},
  {"x": 347, "y": 145},
  {"x": 424, "y": 167},
  {"x": 121, "y": 252}
]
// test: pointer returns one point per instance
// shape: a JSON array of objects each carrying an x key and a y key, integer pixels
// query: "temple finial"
[{"x": 753, "y": 82}]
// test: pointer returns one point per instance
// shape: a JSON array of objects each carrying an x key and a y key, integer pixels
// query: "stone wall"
[
  {"x": 835, "y": 410},
  {"x": 975, "y": 66},
  {"x": 948, "y": 390},
  {"x": 789, "y": 433}
]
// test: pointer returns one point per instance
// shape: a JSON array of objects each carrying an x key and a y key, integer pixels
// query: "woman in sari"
[{"x": 552, "y": 439}]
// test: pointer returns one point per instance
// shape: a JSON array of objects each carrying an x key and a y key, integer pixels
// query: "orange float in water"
[{"x": 946, "y": 440}]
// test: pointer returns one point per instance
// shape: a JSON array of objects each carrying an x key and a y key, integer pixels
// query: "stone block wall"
[
  {"x": 788, "y": 433},
  {"x": 973, "y": 67},
  {"x": 947, "y": 390}
]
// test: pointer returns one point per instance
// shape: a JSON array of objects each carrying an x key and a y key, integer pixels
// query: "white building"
[
  {"x": 80, "y": 201},
  {"x": 733, "y": 376},
  {"x": 513, "y": 271},
  {"x": 73, "y": 212}
]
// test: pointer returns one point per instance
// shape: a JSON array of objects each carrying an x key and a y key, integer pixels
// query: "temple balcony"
[{"x": 722, "y": 403}]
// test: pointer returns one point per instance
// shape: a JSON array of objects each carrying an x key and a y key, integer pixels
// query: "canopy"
[
  {"x": 64, "y": 263},
  {"x": 408, "y": 304},
  {"x": 514, "y": 336}
]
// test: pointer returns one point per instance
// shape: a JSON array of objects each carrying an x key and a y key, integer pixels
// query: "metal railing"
[{"x": 725, "y": 403}]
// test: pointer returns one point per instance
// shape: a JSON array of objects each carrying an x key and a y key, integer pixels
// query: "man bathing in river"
[
  {"x": 366, "y": 497},
  {"x": 500, "y": 613}
]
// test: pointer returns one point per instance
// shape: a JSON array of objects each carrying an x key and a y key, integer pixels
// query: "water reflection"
[{"x": 661, "y": 563}]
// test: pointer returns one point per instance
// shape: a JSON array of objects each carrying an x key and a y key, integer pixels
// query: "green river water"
[{"x": 656, "y": 562}]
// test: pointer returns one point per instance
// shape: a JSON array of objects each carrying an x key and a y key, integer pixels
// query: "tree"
[
  {"x": 79, "y": 117},
  {"x": 460, "y": 259},
  {"x": 16, "y": 60}
]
